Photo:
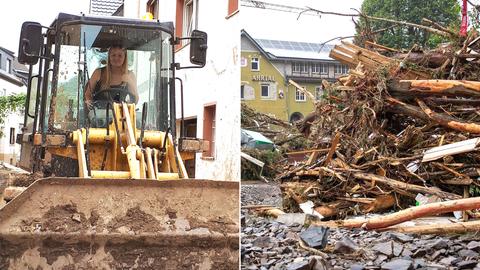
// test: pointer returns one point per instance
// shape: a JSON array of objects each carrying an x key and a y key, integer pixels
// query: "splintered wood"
[
  {"x": 392, "y": 136},
  {"x": 352, "y": 55}
]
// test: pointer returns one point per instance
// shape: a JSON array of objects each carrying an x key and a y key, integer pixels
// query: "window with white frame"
[
  {"x": 296, "y": 67},
  {"x": 255, "y": 64},
  {"x": 9, "y": 66},
  {"x": 242, "y": 91},
  {"x": 186, "y": 19},
  {"x": 265, "y": 90},
  {"x": 304, "y": 67},
  {"x": 318, "y": 92},
  {"x": 341, "y": 69},
  {"x": 299, "y": 95},
  {"x": 189, "y": 18},
  {"x": 319, "y": 68}
]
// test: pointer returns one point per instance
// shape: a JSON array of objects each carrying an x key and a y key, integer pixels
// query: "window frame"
[
  {"x": 296, "y": 67},
  {"x": 341, "y": 68},
  {"x": 299, "y": 94},
  {"x": 304, "y": 67},
  {"x": 319, "y": 68},
  {"x": 8, "y": 65},
  {"x": 209, "y": 127},
  {"x": 12, "y": 136},
  {"x": 257, "y": 61},
  {"x": 182, "y": 22},
  {"x": 268, "y": 91}
]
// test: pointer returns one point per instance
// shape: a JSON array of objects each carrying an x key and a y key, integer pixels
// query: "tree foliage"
[
  {"x": 444, "y": 12},
  {"x": 10, "y": 104}
]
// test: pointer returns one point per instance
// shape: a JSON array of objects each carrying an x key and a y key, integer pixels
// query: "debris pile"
[
  {"x": 262, "y": 161},
  {"x": 397, "y": 131}
]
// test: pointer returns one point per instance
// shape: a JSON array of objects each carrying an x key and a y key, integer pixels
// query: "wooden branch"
[
  {"x": 454, "y": 228},
  {"x": 405, "y": 186},
  {"x": 379, "y": 46},
  {"x": 396, "y": 106},
  {"x": 429, "y": 29},
  {"x": 305, "y": 91},
  {"x": 453, "y": 101},
  {"x": 439, "y": 87},
  {"x": 448, "y": 121},
  {"x": 405, "y": 215},
  {"x": 333, "y": 147},
  {"x": 438, "y": 26}
]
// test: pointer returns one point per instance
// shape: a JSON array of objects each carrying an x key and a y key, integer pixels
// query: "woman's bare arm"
[
  {"x": 91, "y": 85},
  {"x": 132, "y": 85}
]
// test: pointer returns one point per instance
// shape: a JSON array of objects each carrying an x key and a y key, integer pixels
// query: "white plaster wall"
[
  {"x": 218, "y": 83},
  {"x": 13, "y": 120}
]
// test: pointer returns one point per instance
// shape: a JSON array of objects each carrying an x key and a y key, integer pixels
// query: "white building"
[
  {"x": 12, "y": 81},
  {"x": 211, "y": 96}
]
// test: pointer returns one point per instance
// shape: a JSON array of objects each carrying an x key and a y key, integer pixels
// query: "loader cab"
[{"x": 64, "y": 56}]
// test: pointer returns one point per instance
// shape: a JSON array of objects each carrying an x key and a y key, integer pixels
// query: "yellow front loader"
[{"x": 119, "y": 196}]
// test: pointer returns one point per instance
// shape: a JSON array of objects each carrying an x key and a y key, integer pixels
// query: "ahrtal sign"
[{"x": 263, "y": 78}]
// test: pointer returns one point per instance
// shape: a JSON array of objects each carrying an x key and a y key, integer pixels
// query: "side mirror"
[
  {"x": 198, "y": 48},
  {"x": 31, "y": 41}
]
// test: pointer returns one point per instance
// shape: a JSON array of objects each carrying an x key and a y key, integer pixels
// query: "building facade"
[
  {"x": 211, "y": 101},
  {"x": 268, "y": 65},
  {"x": 12, "y": 82}
]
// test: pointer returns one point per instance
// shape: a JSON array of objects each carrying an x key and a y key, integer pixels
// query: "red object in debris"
[{"x": 463, "y": 27}]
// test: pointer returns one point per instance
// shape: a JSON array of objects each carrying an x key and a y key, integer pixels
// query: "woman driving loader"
[{"x": 114, "y": 82}]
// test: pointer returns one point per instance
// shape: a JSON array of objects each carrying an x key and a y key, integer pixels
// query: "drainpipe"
[{"x": 285, "y": 96}]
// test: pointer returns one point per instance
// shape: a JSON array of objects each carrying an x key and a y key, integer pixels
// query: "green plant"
[
  {"x": 10, "y": 104},
  {"x": 444, "y": 12}
]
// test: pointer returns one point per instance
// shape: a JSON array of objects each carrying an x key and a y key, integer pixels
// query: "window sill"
[
  {"x": 207, "y": 158},
  {"x": 232, "y": 14},
  {"x": 300, "y": 100},
  {"x": 255, "y": 70}
]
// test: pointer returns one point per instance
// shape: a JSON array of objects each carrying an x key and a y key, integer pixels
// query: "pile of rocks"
[{"x": 268, "y": 244}]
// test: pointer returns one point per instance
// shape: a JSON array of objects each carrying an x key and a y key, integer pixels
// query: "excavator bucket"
[{"x": 75, "y": 223}]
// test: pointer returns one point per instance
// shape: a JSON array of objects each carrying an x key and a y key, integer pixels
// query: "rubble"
[
  {"x": 398, "y": 136},
  {"x": 279, "y": 245},
  {"x": 392, "y": 130}
]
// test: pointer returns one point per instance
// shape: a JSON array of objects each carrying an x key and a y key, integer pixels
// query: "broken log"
[
  {"x": 448, "y": 121},
  {"x": 426, "y": 114},
  {"x": 435, "y": 87},
  {"x": 399, "y": 185},
  {"x": 454, "y": 228},
  {"x": 405, "y": 215},
  {"x": 453, "y": 101},
  {"x": 432, "y": 60}
]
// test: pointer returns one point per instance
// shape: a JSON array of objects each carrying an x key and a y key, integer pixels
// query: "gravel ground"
[{"x": 269, "y": 244}]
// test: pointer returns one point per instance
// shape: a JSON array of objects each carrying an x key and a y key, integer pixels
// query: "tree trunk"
[
  {"x": 461, "y": 227},
  {"x": 406, "y": 215},
  {"x": 435, "y": 87},
  {"x": 405, "y": 186}
]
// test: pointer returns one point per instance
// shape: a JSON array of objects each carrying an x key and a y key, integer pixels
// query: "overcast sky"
[
  {"x": 269, "y": 24},
  {"x": 14, "y": 12}
]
